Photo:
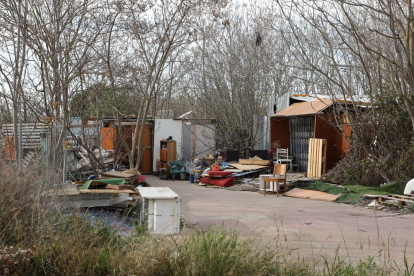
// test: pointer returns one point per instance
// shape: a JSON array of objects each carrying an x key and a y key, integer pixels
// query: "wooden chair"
[{"x": 279, "y": 175}]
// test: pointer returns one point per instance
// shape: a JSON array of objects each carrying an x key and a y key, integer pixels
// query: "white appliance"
[{"x": 160, "y": 208}]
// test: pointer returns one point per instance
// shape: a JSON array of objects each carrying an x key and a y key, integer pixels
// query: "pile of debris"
[
  {"x": 112, "y": 182},
  {"x": 115, "y": 189},
  {"x": 402, "y": 204}
]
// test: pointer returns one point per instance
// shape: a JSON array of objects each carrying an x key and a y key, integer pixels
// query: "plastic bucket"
[{"x": 192, "y": 178}]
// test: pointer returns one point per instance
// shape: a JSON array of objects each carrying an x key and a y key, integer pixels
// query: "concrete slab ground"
[{"x": 309, "y": 228}]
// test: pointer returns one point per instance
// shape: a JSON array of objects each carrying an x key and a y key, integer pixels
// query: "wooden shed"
[
  {"x": 293, "y": 126},
  {"x": 111, "y": 140}
]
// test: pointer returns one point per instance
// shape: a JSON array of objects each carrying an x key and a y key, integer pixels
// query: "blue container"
[{"x": 192, "y": 178}]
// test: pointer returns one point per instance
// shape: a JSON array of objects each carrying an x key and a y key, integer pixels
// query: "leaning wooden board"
[{"x": 317, "y": 157}]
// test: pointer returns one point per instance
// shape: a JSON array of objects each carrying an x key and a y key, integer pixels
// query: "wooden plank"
[
  {"x": 383, "y": 198},
  {"x": 314, "y": 158},
  {"x": 319, "y": 157},
  {"x": 402, "y": 196},
  {"x": 371, "y": 196},
  {"x": 112, "y": 187},
  {"x": 325, "y": 143},
  {"x": 126, "y": 187},
  {"x": 116, "y": 174},
  {"x": 309, "y": 174},
  {"x": 106, "y": 191},
  {"x": 253, "y": 162},
  {"x": 247, "y": 167}
]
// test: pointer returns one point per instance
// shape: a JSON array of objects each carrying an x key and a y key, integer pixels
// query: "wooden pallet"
[
  {"x": 316, "y": 158},
  {"x": 402, "y": 201}
]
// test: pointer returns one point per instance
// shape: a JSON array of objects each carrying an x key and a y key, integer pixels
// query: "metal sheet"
[{"x": 305, "y": 108}]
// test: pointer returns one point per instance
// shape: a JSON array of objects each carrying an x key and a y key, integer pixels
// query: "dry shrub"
[
  {"x": 24, "y": 208},
  {"x": 382, "y": 146}
]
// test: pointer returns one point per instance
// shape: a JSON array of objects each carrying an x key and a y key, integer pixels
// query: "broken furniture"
[
  {"x": 219, "y": 178},
  {"x": 160, "y": 209},
  {"x": 279, "y": 175},
  {"x": 282, "y": 157},
  {"x": 176, "y": 167},
  {"x": 168, "y": 152},
  {"x": 317, "y": 158}
]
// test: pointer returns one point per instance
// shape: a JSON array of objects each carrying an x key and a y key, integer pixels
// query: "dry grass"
[{"x": 37, "y": 239}]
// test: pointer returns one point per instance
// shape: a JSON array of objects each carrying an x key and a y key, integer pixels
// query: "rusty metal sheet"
[{"x": 305, "y": 108}]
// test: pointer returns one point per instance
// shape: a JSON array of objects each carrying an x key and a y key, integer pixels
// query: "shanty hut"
[{"x": 293, "y": 126}]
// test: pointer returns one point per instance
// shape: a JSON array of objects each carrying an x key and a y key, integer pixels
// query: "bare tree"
[{"x": 13, "y": 59}]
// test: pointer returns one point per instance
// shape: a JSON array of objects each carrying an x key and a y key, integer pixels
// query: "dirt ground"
[{"x": 309, "y": 228}]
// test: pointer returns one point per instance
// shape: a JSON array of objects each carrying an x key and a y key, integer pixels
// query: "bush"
[
  {"x": 220, "y": 252},
  {"x": 381, "y": 146}
]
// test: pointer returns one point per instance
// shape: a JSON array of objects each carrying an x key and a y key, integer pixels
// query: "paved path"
[{"x": 307, "y": 226}]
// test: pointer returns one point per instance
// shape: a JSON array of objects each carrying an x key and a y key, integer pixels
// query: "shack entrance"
[{"x": 301, "y": 129}]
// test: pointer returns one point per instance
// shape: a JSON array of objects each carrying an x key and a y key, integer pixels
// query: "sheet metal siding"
[
  {"x": 301, "y": 129},
  {"x": 282, "y": 102}
]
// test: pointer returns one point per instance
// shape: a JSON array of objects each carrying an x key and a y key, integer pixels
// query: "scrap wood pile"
[
  {"x": 400, "y": 200},
  {"x": 112, "y": 182}
]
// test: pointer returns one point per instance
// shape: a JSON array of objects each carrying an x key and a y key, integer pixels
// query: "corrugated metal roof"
[
  {"x": 363, "y": 101},
  {"x": 305, "y": 108}
]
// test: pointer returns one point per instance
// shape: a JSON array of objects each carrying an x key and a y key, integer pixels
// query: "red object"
[
  {"x": 219, "y": 173},
  {"x": 141, "y": 178},
  {"x": 216, "y": 168},
  {"x": 218, "y": 181}
]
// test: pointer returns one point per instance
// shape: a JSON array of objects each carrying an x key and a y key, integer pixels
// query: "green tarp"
[
  {"x": 112, "y": 181},
  {"x": 356, "y": 191}
]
